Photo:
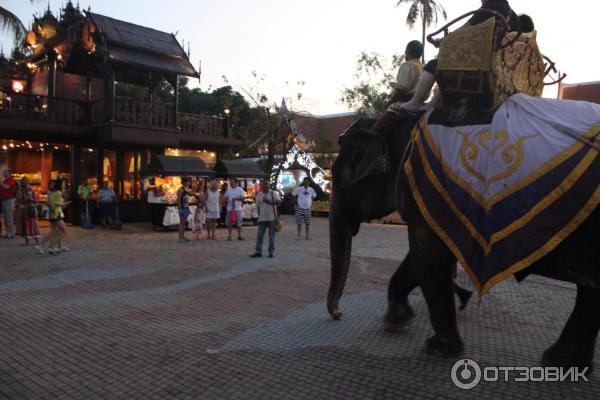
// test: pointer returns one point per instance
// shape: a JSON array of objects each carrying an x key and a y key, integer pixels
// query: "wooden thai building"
[{"x": 92, "y": 97}]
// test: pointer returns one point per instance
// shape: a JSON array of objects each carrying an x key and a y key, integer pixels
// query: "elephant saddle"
[
  {"x": 472, "y": 73},
  {"x": 503, "y": 194}
]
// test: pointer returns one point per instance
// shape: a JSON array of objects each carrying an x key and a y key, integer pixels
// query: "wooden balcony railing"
[
  {"x": 124, "y": 110},
  {"x": 155, "y": 115},
  {"x": 44, "y": 108},
  {"x": 201, "y": 124}
]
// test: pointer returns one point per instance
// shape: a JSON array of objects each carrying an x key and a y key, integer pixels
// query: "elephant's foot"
[
  {"x": 334, "y": 311},
  {"x": 444, "y": 346},
  {"x": 557, "y": 356},
  {"x": 397, "y": 317}
]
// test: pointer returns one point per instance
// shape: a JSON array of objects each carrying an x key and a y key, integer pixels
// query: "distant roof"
[
  {"x": 587, "y": 91},
  {"x": 177, "y": 166},
  {"x": 240, "y": 169},
  {"x": 318, "y": 127},
  {"x": 141, "y": 46}
]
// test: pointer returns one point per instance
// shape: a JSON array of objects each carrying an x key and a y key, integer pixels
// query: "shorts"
[
  {"x": 303, "y": 216},
  {"x": 239, "y": 218},
  {"x": 184, "y": 213}
]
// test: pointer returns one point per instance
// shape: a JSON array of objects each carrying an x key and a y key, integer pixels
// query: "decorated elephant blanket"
[{"x": 503, "y": 195}]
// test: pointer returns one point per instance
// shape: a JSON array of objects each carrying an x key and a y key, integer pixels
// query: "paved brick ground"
[{"x": 135, "y": 315}]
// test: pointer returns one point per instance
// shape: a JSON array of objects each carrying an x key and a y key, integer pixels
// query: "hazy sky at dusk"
[{"x": 318, "y": 41}]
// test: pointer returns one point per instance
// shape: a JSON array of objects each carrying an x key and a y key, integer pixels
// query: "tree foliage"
[
  {"x": 429, "y": 11},
  {"x": 10, "y": 23},
  {"x": 375, "y": 79}
]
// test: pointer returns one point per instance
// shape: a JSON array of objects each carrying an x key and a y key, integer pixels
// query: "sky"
[{"x": 319, "y": 41}]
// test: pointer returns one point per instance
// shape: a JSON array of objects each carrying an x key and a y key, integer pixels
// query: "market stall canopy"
[
  {"x": 139, "y": 46},
  {"x": 177, "y": 166},
  {"x": 240, "y": 169}
]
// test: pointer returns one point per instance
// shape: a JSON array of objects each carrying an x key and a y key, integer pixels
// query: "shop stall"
[
  {"x": 249, "y": 173},
  {"x": 162, "y": 179}
]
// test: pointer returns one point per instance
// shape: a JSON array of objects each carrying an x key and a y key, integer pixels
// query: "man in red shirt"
[{"x": 8, "y": 193}]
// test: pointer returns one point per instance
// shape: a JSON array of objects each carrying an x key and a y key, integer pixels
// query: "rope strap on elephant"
[{"x": 503, "y": 195}]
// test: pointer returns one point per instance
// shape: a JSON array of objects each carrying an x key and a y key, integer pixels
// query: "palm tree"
[
  {"x": 427, "y": 10},
  {"x": 9, "y": 22}
]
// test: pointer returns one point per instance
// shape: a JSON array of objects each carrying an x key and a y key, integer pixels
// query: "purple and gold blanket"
[{"x": 503, "y": 195}]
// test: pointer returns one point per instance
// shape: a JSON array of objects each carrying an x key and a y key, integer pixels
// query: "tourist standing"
[
  {"x": 200, "y": 214},
  {"x": 234, "y": 196},
  {"x": 106, "y": 204},
  {"x": 224, "y": 189},
  {"x": 85, "y": 192},
  {"x": 213, "y": 207},
  {"x": 304, "y": 197},
  {"x": 183, "y": 206},
  {"x": 266, "y": 201},
  {"x": 58, "y": 230},
  {"x": 8, "y": 194},
  {"x": 27, "y": 214}
]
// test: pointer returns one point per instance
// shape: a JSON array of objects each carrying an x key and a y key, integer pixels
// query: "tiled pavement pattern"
[{"x": 136, "y": 315}]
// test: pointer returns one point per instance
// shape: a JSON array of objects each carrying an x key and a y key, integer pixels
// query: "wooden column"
[
  {"x": 176, "y": 91},
  {"x": 109, "y": 90}
]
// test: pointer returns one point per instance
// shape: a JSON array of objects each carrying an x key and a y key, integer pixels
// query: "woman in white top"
[{"x": 213, "y": 206}]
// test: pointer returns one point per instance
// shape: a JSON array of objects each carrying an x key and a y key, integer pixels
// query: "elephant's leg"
[
  {"x": 399, "y": 312},
  {"x": 575, "y": 347},
  {"x": 433, "y": 266}
]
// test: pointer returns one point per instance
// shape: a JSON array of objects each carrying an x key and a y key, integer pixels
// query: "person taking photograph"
[{"x": 266, "y": 201}]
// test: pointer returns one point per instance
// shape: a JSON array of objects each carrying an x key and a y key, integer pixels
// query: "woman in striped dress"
[{"x": 27, "y": 215}]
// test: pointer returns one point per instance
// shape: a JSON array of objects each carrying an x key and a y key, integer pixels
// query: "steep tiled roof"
[
  {"x": 142, "y": 46},
  {"x": 316, "y": 128}
]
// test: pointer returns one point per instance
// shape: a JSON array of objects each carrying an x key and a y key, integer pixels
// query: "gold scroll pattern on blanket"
[
  {"x": 518, "y": 68},
  {"x": 511, "y": 154}
]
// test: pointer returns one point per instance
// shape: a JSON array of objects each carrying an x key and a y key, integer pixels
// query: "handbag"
[
  {"x": 171, "y": 216},
  {"x": 232, "y": 217},
  {"x": 278, "y": 221}
]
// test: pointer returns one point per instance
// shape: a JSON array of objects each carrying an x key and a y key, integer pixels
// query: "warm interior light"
[
  {"x": 18, "y": 86},
  {"x": 5, "y": 147}
]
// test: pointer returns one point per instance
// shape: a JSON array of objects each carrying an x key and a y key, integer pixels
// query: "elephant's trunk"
[{"x": 340, "y": 242}]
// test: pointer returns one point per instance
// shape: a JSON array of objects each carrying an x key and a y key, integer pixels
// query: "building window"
[
  {"x": 109, "y": 167},
  {"x": 129, "y": 175}
]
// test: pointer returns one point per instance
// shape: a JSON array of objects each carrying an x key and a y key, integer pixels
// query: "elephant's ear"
[{"x": 367, "y": 151}]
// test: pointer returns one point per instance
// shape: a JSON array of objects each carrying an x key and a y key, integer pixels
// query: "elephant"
[{"x": 359, "y": 196}]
